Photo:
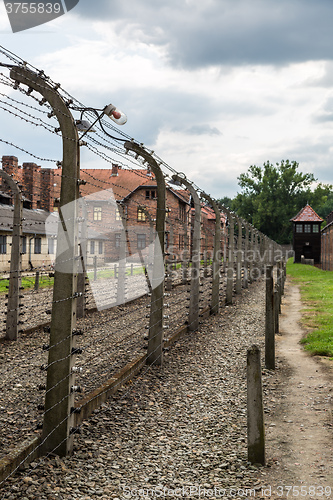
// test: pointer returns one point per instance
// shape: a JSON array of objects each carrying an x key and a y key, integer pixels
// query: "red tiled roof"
[
  {"x": 209, "y": 213},
  {"x": 123, "y": 184},
  {"x": 99, "y": 179},
  {"x": 307, "y": 214}
]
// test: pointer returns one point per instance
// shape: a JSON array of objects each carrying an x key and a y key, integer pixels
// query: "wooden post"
[
  {"x": 269, "y": 321},
  {"x": 255, "y": 409},
  {"x": 36, "y": 286},
  {"x": 59, "y": 399},
  {"x": 95, "y": 267}
]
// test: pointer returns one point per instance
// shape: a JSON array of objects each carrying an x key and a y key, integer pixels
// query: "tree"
[
  {"x": 225, "y": 201},
  {"x": 271, "y": 195}
]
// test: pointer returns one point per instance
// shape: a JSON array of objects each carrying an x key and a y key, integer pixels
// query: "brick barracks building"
[{"x": 108, "y": 193}]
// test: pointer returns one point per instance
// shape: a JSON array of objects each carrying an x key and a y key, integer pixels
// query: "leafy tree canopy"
[{"x": 271, "y": 195}]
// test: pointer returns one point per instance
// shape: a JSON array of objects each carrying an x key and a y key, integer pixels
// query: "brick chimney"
[
  {"x": 11, "y": 167},
  {"x": 31, "y": 183},
  {"x": 115, "y": 169},
  {"x": 46, "y": 189}
]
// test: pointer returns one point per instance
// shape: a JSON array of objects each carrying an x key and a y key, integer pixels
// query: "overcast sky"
[{"x": 212, "y": 86}]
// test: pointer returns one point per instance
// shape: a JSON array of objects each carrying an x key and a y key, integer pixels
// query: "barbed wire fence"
[{"x": 149, "y": 270}]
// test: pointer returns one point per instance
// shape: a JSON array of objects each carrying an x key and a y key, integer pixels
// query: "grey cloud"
[
  {"x": 203, "y": 130},
  {"x": 326, "y": 80},
  {"x": 326, "y": 112},
  {"x": 226, "y": 33},
  {"x": 324, "y": 117}
]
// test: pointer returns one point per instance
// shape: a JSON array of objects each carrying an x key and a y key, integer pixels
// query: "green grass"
[
  {"x": 316, "y": 288},
  {"x": 28, "y": 282},
  {"x": 109, "y": 273}
]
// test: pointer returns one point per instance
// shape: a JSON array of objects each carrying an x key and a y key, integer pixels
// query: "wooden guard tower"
[{"x": 306, "y": 235}]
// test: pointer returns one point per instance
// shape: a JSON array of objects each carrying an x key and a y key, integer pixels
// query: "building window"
[
  {"x": 3, "y": 244},
  {"x": 299, "y": 228},
  {"x": 307, "y": 228},
  {"x": 150, "y": 195},
  {"x": 92, "y": 247},
  {"x": 24, "y": 244},
  {"x": 97, "y": 213},
  {"x": 50, "y": 246},
  {"x": 141, "y": 241},
  {"x": 117, "y": 240},
  {"x": 182, "y": 212},
  {"x": 100, "y": 247},
  {"x": 141, "y": 215},
  {"x": 315, "y": 228},
  {"x": 181, "y": 241},
  {"x": 118, "y": 214},
  {"x": 38, "y": 245},
  {"x": 166, "y": 240}
]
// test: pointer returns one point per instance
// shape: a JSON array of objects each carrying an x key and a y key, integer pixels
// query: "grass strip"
[{"x": 316, "y": 288}]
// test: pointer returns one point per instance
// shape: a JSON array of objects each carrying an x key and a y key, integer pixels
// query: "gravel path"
[{"x": 179, "y": 426}]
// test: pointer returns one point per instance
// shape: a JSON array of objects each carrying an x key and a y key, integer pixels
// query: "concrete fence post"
[
  {"x": 246, "y": 255},
  {"x": 185, "y": 257},
  {"x": 81, "y": 287},
  {"x": 193, "y": 317},
  {"x": 58, "y": 418},
  {"x": 81, "y": 278},
  {"x": 13, "y": 304},
  {"x": 169, "y": 259},
  {"x": 276, "y": 308},
  {"x": 215, "y": 302},
  {"x": 155, "y": 337},
  {"x": 238, "y": 288},
  {"x": 205, "y": 255},
  {"x": 229, "y": 255},
  {"x": 121, "y": 274},
  {"x": 269, "y": 321},
  {"x": 255, "y": 409}
]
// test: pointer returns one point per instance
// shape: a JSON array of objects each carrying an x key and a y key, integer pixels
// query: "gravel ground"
[
  {"x": 182, "y": 425},
  {"x": 112, "y": 338}
]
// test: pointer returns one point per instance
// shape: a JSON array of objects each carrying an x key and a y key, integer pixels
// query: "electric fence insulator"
[
  {"x": 76, "y": 388},
  {"x": 76, "y": 350},
  {"x": 74, "y": 430},
  {"x": 77, "y": 332},
  {"x": 75, "y": 410}
]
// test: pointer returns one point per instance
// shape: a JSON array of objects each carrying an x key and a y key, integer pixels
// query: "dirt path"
[{"x": 299, "y": 434}]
